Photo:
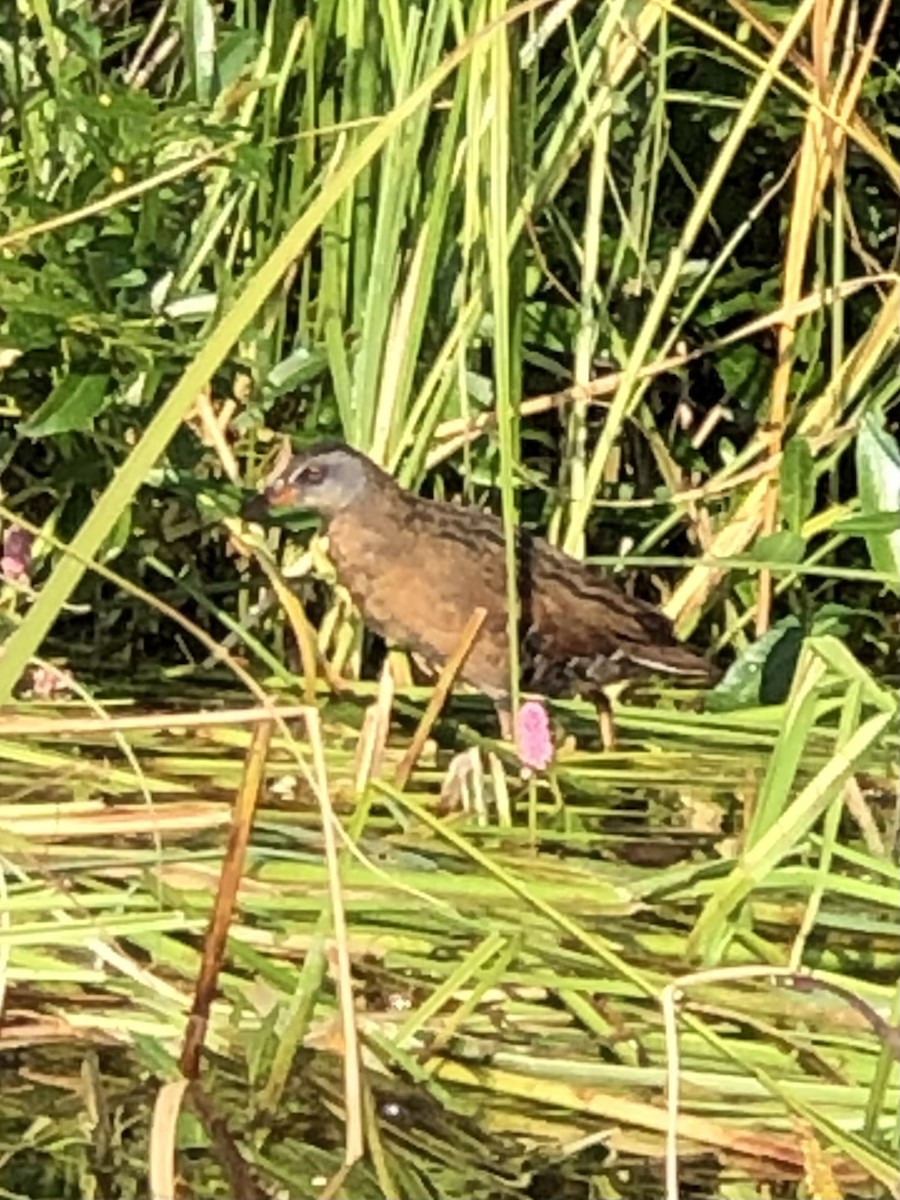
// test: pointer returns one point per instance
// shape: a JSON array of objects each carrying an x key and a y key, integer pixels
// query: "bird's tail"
[{"x": 674, "y": 660}]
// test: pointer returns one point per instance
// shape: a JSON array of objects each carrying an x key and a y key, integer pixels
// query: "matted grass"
[{"x": 509, "y": 972}]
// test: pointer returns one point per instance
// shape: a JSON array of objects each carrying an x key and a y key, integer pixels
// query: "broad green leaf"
[
  {"x": 745, "y": 374},
  {"x": 781, "y": 664},
  {"x": 782, "y": 547},
  {"x": 798, "y": 484},
  {"x": 763, "y": 673},
  {"x": 878, "y": 473},
  {"x": 298, "y": 368},
  {"x": 70, "y": 407}
]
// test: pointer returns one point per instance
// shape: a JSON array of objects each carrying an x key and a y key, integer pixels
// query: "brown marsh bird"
[{"x": 417, "y": 569}]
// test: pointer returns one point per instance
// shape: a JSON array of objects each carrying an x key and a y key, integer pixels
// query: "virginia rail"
[{"x": 417, "y": 569}]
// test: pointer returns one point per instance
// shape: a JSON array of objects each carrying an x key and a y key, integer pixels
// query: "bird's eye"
[{"x": 311, "y": 474}]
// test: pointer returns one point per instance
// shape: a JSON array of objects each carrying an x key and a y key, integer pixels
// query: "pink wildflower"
[
  {"x": 15, "y": 565},
  {"x": 533, "y": 741}
]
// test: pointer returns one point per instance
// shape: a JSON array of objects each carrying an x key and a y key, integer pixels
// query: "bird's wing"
[{"x": 583, "y": 628}]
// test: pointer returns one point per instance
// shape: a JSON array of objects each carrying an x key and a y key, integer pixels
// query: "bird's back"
[{"x": 418, "y": 569}]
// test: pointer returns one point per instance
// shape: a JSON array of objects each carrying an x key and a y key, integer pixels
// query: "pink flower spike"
[
  {"x": 15, "y": 565},
  {"x": 533, "y": 741}
]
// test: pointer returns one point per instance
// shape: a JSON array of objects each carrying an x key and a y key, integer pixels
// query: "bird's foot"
[
  {"x": 504, "y": 717},
  {"x": 606, "y": 723},
  {"x": 607, "y": 729}
]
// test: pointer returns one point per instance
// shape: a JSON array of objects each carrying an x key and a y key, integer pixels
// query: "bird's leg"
[
  {"x": 504, "y": 716},
  {"x": 605, "y": 721}
]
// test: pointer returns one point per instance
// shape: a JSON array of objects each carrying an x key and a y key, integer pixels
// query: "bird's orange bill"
[{"x": 281, "y": 495}]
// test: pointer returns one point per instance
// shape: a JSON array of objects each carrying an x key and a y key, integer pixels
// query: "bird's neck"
[{"x": 374, "y": 521}]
